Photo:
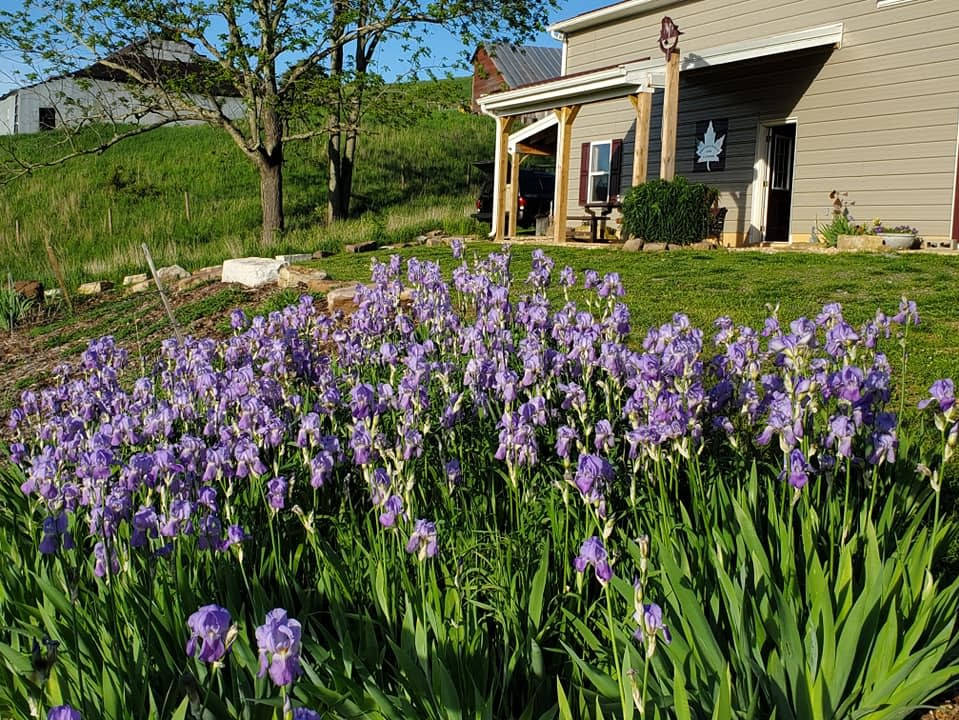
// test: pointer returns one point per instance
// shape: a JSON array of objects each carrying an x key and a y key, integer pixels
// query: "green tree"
[{"x": 278, "y": 56}]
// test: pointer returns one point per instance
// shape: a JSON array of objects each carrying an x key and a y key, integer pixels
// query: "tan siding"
[{"x": 878, "y": 118}]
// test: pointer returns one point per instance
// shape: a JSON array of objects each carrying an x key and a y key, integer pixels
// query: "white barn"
[{"x": 104, "y": 92}]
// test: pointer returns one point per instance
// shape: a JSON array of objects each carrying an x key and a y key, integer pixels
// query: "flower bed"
[{"x": 479, "y": 501}]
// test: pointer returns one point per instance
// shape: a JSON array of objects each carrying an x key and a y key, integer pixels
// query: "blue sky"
[{"x": 446, "y": 48}]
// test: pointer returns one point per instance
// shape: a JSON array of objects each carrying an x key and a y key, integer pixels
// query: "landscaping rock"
[
  {"x": 171, "y": 273},
  {"x": 633, "y": 245},
  {"x": 141, "y": 286},
  {"x": 859, "y": 242},
  {"x": 320, "y": 254},
  {"x": 343, "y": 299},
  {"x": 295, "y": 258},
  {"x": 200, "y": 277},
  {"x": 29, "y": 289},
  {"x": 134, "y": 279},
  {"x": 251, "y": 271},
  {"x": 437, "y": 241},
  {"x": 360, "y": 247},
  {"x": 95, "y": 288},
  {"x": 294, "y": 276}
]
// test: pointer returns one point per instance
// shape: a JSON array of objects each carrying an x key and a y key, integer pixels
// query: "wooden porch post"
[
  {"x": 565, "y": 115},
  {"x": 514, "y": 192},
  {"x": 667, "y": 160},
  {"x": 503, "y": 125},
  {"x": 643, "y": 103}
]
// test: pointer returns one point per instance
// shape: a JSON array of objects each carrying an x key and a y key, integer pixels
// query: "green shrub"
[{"x": 669, "y": 211}]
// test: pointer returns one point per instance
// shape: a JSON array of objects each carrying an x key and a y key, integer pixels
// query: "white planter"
[{"x": 898, "y": 241}]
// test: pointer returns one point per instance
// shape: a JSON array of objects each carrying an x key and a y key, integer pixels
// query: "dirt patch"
[{"x": 51, "y": 337}]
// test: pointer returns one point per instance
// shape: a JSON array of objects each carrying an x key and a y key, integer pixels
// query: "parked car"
[{"x": 535, "y": 195}]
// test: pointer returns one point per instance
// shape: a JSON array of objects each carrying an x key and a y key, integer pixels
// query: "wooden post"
[
  {"x": 503, "y": 125},
  {"x": 186, "y": 204},
  {"x": 643, "y": 103},
  {"x": 566, "y": 116},
  {"x": 667, "y": 159},
  {"x": 514, "y": 194}
]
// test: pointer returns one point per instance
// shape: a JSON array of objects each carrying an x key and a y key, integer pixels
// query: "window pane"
[
  {"x": 599, "y": 188},
  {"x": 600, "y": 159},
  {"x": 782, "y": 160}
]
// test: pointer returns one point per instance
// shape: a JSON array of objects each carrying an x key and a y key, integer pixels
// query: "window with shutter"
[{"x": 600, "y": 172}]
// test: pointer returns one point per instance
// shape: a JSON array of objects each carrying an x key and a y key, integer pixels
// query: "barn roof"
[{"x": 525, "y": 64}]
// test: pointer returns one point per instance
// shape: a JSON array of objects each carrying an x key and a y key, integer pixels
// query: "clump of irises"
[{"x": 386, "y": 413}]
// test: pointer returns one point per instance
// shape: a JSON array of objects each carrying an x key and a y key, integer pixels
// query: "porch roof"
[{"x": 648, "y": 74}]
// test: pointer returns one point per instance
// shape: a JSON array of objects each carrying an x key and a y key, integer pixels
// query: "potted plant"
[{"x": 896, "y": 237}]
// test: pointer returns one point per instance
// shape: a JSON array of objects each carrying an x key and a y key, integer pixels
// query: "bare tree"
[{"x": 263, "y": 52}]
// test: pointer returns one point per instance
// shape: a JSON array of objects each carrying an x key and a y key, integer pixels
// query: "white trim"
[
  {"x": 759, "y": 187},
  {"x": 542, "y": 124},
  {"x": 590, "y": 173},
  {"x": 890, "y": 3},
  {"x": 955, "y": 185},
  {"x": 646, "y": 75},
  {"x": 619, "y": 11}
]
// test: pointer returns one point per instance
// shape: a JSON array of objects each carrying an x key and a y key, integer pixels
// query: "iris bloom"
[
  {"x": 278, "y": 642},
  {"x": 211, "y": 628}
]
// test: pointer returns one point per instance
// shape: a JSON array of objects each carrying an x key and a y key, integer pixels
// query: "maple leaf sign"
[{"x": 710, "y": 147}]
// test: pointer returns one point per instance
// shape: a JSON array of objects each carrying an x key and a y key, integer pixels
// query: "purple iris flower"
[
  {"x": 305, "y": 713},
  {"x": 63, "y": 712},
  {"x": 392, "y": 509},
  {"x": 457, "y": 247},
  {"x": 278, "y": 643},
  {"x": 454, "y": 474},
  {"x": 423, "y": 540},
  {"x": 798, "y": 470},
  {"x": 943, "y": 393},
  {"x": 593, "y": 475},
  {"x": 884, "y": 440},
  {"x": 55, "y": 532},
  {"x": 604, "y": 439},
  {"x": 593, "y": 553},
  {"x": 565, "y": 437},
  {"x": 650, "y": 624},
  {"x": 210, "y": 626},
  {"x": 276, "y": 492}
]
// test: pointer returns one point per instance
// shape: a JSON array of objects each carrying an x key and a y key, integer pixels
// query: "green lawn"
[{"x": 708, "y": 284}]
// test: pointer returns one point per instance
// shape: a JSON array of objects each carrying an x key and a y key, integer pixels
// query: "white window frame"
[{"x": 597, "y": 173}]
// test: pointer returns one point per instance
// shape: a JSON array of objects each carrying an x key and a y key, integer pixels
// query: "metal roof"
[{"x": 525, "y": 64}]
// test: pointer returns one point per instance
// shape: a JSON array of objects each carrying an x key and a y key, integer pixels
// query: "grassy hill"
[{"x": 97, "y": 210}]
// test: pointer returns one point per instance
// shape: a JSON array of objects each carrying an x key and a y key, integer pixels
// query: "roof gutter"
[{"x": 608, "y": 14}]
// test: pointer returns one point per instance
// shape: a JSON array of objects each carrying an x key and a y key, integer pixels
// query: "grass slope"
[{"x": 97, "y": 210}]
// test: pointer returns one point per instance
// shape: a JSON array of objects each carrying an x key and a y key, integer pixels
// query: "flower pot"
[{"x": 898, "y": 241}]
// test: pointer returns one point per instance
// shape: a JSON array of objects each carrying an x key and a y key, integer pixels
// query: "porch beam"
[
  {"x": 643, "y": 104},
  {"x": 667, "y": 159},
  {"x": 503, "y": 125},
  {"x": 515, "y": 160},
  {"x": 566, "y": 115}
]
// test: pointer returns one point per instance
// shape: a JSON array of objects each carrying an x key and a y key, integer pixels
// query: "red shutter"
[
  {"x": 615, "y": 171},
  {"x": 584, "y": 174}
]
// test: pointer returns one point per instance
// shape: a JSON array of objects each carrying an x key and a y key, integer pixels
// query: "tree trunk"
[{"x": 271, "y": 197}]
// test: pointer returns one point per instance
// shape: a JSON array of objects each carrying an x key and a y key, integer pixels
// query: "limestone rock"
[
  {"x": 295, "y": 258},
  {"x": 360, "y": 247},
  {"x": 343, "y": 299},
  {"x": 95, "y": 288},
  {"x": 171, "y": 273},
  {"x": 633, "y": 245},
  {"x": 320, "y": 254},
  {"x": 859, "y": 242},
  {"x": 29, "y": 289},
  {"x": 251, "y": 271},
  {"x": 200, "y": 277},
  {"x": 295, "y": 276},
  {"x": 134, "y": 279}
]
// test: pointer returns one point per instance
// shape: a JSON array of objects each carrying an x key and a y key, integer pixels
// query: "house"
[
  {"x": 105, "y": 92},
  {"x": 501, "y": 66},
  {"x": 779, "y": 103}
]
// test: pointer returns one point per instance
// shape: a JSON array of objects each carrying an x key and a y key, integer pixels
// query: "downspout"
[{"x": 496, "y": 176}]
